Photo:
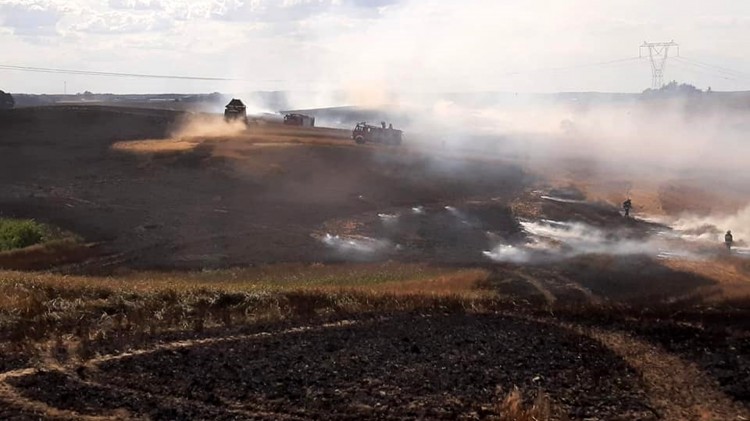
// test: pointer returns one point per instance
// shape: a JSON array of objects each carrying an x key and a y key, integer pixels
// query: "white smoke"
[
  {"x": 461, "y": 216},
  {"x": 509, "y": 253},
  {"x": 561, "y": 199},
  {"x": 388, "y": 219},
  {"x": 713, "y": 227},
  {"x": 357, "y": 246},
  {"x": 558, "y": 240},
  {"x": 580, "y": 238}
]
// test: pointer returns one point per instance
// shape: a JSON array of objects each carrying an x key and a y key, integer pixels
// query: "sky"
[{"x": 371, "y": 45}]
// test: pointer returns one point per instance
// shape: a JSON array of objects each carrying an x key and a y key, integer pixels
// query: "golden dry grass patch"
[
  {"x": 387, "y": 278},
  {"x": 463, "y": 284},
  {"x": 38, "y": 306},
  {"x": 154, "y": 146},
  {"x": 724, "y": 271},
  {"x": 731, "y": 277},
  {"x": 513, "y": 408}
]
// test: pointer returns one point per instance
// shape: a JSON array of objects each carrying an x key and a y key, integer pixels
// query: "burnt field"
[
  {"x": 256, "y": 197},
  {"x": 269, "y": 272}
]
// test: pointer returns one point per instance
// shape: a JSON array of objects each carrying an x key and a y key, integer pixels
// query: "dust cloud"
[{"x": 204, "y": 125}]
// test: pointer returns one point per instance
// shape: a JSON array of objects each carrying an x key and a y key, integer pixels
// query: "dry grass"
[
  {"x": 29, "y": 245},
  {"x": 232, "y": 139},
  {"x": 46, "y": 255},
  {"x": 723, "y": 271},
  {"x": 40, "y": 306},
  {"x": 731, "y": 275},
  {"x": 156, "y": 145},
  {"x": 37, "y": 307},
  {"x": 513, "y": 408}
]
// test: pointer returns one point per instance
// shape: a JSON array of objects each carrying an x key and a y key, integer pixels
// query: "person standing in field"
[
  {"x": 626, "y": 206},
  {"x": 728, "y": 240}
]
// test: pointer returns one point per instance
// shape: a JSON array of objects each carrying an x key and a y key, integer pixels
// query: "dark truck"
[
  {"x": 235, "y": 110},
  {"x": 364, "y": 132},
  {"x": 302, "y": 120}
]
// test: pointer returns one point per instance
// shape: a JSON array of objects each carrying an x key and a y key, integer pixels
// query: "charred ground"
[
  {"x": 225, "y": 202},
  {"x": 285, "y": 321}
]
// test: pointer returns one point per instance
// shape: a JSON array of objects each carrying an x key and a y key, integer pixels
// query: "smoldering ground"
[
  {"x": 636, "y": 141},
  {"x": 548, "y": 240}
]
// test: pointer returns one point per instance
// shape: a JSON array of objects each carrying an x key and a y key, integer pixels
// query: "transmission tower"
[{"x": 658, "y": 52}]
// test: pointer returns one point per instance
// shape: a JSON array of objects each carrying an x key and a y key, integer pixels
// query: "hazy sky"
[{"x": 415, "y": 45}]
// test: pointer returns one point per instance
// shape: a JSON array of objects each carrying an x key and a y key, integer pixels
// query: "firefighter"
[
  {"x": 626, "y": 206},
  {"x": 728, "y": 240},
  {"x": 382, "y": 123},
  {"x": 390, "y": 126}
]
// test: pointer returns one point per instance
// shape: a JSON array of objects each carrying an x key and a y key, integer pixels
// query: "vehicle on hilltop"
[{"x": 364, "y": 133}]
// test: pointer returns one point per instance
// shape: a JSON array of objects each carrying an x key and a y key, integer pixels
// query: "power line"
[
  {"x": 696, "y": 65},
  {"x": 725, "y": 69},
  {"x": 714, "y": 72},
  {"x": 221, "y": 79},
  {"x": 720, "y": 69},
  {"x": 705, "y": 70},
  {"x": 109, "y": 74},
  {"x": 572, "y": 67},
  {"x": 698, "y": 69}
]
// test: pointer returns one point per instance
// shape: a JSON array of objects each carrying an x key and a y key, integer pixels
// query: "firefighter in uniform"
[
  {"x": 626, "y": 206},
  {"x": 728, "y": 240}
]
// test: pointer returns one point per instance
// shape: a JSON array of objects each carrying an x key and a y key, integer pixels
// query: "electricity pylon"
[{"x": 658, "y": 52}]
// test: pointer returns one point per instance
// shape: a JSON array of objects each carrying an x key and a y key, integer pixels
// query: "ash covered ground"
[{"x": 598, "y": 309}]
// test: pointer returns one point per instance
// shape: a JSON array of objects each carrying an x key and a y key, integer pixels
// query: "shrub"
[{"x": 16, "y": 233}]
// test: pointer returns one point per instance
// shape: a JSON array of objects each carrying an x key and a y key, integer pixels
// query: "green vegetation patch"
[{"x": 20, "y": 233}]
